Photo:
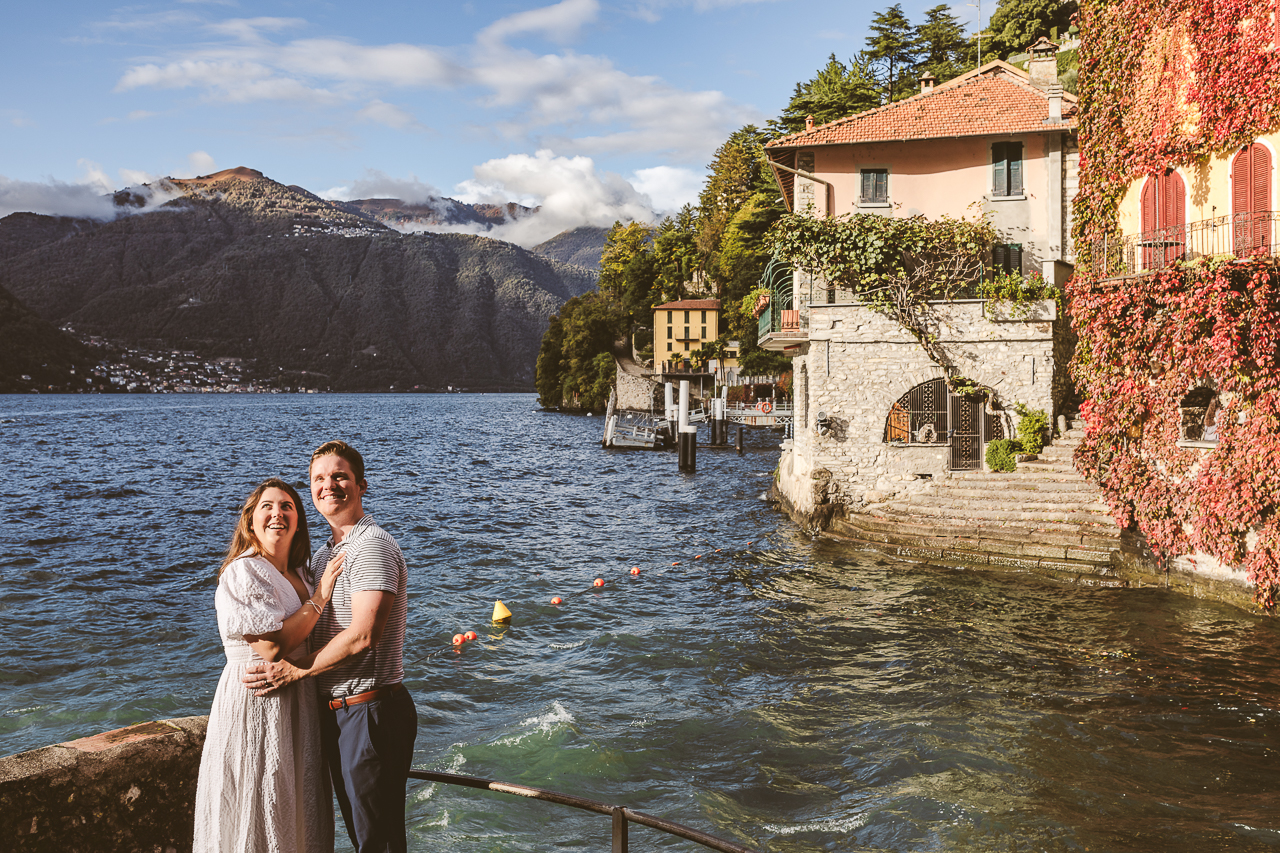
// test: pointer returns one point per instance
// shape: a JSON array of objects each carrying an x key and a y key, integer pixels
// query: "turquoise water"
[{"x": 778, "y": 691}]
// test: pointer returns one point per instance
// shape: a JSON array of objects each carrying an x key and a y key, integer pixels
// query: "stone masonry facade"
[{"x": 858, "y": 363}]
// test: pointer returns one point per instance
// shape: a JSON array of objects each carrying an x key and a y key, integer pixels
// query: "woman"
[{"x": 263, "y": 785}]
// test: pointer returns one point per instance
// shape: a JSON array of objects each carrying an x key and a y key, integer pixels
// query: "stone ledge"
[{"x": 130, "y": 789}]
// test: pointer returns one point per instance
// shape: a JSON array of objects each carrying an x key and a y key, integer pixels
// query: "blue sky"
[{"x": 597, "y": 110}]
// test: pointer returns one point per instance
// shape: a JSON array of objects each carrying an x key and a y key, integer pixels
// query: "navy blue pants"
[{"x": 369, "y": 748}]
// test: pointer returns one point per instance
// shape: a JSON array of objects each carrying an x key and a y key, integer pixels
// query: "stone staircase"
[{"x": 1044, "y": 517}]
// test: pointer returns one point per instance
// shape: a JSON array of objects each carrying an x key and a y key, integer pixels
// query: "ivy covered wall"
[{"x": 1179, "y": 83}]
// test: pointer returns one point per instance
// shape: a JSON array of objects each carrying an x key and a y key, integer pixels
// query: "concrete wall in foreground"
[{"x": 133, "y": 789}]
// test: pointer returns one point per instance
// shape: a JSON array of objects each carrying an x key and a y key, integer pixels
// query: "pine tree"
[
  {"x": 891, "y": 51},
  {"x": 836, "y": 91},
  {"x": 943, "y": 47}
]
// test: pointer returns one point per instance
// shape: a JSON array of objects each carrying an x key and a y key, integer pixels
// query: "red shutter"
[
  {"x": 1260, "y": 194},
  {"x": 1241, "y": 205},
  {"x": 1149, "y": 220}
]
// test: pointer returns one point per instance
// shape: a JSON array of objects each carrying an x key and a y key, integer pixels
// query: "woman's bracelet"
[{"x": 315, "y": 606}]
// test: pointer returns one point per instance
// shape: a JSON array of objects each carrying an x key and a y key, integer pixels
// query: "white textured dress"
[{"x": 264, "y": 786}]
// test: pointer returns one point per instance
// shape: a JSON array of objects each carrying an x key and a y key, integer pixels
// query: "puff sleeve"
[{"x": 247, "y": 600}]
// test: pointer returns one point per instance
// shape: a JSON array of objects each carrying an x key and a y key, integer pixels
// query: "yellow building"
[{"x": 681, "y": 327}]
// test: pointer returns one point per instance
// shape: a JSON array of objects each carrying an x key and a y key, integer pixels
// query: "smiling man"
[{"x": 367, "y": 719}]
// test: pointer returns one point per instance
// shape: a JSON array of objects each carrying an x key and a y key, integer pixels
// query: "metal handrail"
[
  {"x": 621, "y": 814},
  {"x": 1239, "y": 235}
]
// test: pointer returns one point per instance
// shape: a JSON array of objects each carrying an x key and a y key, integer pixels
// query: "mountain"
[
  {"x": 36, "y": 356},
  {"x": 239, "y": 265},
  {"x": 580, "y": 246},
  {"x": 439, "y": 211}
]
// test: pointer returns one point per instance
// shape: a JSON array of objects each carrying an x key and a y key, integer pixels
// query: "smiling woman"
[{"x": 266, "y": 611}]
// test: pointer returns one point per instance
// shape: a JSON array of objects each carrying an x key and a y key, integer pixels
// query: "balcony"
[
  {"x": 1242, "y": 235},
  {"x": 780, "y": 326}
]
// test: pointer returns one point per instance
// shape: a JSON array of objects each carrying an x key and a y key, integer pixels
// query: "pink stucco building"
[{"x": 874, "y": 415}]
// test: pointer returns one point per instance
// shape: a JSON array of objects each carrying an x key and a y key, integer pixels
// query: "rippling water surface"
[{"x": 777, "y": 691}]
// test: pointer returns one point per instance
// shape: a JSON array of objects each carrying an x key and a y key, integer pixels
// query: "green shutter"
[
  {"x": 999, "y": 179},
  {"x": 1015, "y": 168}
]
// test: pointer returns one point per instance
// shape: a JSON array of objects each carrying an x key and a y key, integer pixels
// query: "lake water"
[{"x": 778, "y": 691}]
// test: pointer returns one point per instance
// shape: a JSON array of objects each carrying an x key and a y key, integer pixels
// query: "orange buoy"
[
  {"x": 717, "y": 550},
  {"x": 697, "y": 556},
  {"x": 557, "y": 600},
  {"x": 675, "y": 564},
  {"x": 635, "y": 570},
  {"x": 599, "y": 582},
  {"x": 458, "y": 639},
  {"x": 470, "y": 635}
]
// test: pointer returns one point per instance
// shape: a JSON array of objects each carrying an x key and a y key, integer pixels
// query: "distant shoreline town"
[{"x": 124, "y": 369}]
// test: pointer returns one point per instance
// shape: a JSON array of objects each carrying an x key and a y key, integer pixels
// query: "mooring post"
[
  {"x": 688, "y": 449},
  {"x": 739, "y": 439}
]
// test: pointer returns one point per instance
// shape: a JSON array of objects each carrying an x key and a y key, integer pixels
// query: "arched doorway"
[{"x": 931, "y": 414}]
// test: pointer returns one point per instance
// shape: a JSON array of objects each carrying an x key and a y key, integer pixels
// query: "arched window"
[
  {"x": 1200, "y": 415},
  {"x": 1251, "y": 199},
  {"x": 1164, "y": 220},
  {"x": 920, "y": 415}
]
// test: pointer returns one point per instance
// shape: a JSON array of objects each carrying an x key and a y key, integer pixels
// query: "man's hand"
[{"x": 266, "y": 678}]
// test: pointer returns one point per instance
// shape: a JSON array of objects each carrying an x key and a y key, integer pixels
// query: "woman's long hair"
[{"x": 243, "y": 539}]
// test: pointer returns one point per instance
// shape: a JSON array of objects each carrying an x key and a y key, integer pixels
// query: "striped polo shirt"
[{"x": 374, "y": 562}]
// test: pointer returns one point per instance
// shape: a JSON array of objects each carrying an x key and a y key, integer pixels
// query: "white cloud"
[
  {"x": 572, "y": 102},
  {"x": 54, "y": 198},
  {"x": 670, "y": 188},
  {"x": 380, "y": 112},
  {"x": 198, "y": 163},
  {"x": 95, "y": 178},
  {"x": 569, "y": 191},
  {"x": 559, "y": 23},
  {"x": 376, "y": 184},
  {"x": 138, "y": 115}
]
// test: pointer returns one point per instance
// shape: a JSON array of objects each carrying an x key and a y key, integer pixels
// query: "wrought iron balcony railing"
[
  {"x": 779, "y": 314},
  {"x": 1241, "y": 235}
]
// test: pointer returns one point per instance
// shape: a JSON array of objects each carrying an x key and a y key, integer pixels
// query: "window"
[
  {"x": 669, "y": 313},
  {"x": 1006, "y": 169},
  {"x": 704, "y": 316},
  {"x": 686, "y": 332},
  {"x": 1006, "y": 257},
  {"x": 686, "y": 319},
  {"x": 704, "y": 333},
  {"x": 669, "y": 347},
  {"x": 1164, "y": 219},
  {"x": 1251, "y": 199},
  {"x": 669, "y": 334},
  {"x": 875, "y": 187},
  {"x": 1200, "y": 415}
]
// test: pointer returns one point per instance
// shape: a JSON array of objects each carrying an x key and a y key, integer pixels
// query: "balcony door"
[
  {"x": 1164, "y": 220},
  {"x": 1251, "y": 200}
]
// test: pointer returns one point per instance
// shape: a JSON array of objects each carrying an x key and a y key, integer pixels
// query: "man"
[{"x": 367, "y": 719}]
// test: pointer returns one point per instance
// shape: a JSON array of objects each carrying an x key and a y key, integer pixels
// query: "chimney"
[
  {"x": 1043, "y": 66},
  {"x": 808, "y": 123},
  {"x": 927, "y": 82},
  {"x": 1055, "y": 103}
]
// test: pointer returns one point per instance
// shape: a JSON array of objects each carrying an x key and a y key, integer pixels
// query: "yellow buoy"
[{"x": 500, "y": 612}]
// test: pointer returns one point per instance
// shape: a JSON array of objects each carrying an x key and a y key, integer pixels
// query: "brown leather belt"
[{"x": 360, "y": 698}]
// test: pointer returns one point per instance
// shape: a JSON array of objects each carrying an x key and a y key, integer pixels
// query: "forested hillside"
[{"x": 717, "y": 247}]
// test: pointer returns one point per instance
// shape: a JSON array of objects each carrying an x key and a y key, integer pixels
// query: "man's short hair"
[{"x": 344, "y": 451}]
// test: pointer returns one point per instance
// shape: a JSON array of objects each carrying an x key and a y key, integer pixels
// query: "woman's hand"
[{"x": 330, "y": 576}]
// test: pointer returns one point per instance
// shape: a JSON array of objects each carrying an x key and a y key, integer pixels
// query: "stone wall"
[
  {"x": 858, "y": 363},
  {"x": 636, "y": 393},
  {"x": 128, "y": 790}
]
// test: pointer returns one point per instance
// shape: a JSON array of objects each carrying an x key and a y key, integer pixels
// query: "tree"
[
  {"x": 942, "y": 45},
  {"x": 734, "y": 173},
  {"x": 891, "y": 52},
  {"x": 621, "y": 245},
  {"x": 575, "y": 367},
  {"x": 675, "y": 251},
  {"x": 1017, "y": 24},
  {"x": 836, "y": 91}
]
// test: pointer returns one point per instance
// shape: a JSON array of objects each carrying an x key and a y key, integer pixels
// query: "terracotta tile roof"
[
  {"x": 690, "y": 305},
  {"x": 994, "y": 99}
]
